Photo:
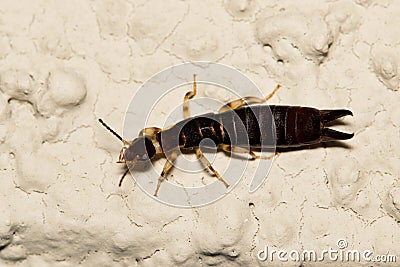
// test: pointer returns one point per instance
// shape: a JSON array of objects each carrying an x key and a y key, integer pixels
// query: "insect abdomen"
[
  {"x": 266, "y": 126},
  {"x": 256, "y": 126},
  {"x": 296, "y": 125},
  {"x": 248, "y": 126}
]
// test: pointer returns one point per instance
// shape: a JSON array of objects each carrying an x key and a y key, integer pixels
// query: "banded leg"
[
  {"x": 237, "y": 149},
  {"x": 167, "y": 167},
  {"x": 189, "y": 95},
  {"x": 205, "y": 162},
  {"x": 247, "y": 101}
]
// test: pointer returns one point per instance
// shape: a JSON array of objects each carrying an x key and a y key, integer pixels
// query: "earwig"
[{"x": 294, "y": 126}]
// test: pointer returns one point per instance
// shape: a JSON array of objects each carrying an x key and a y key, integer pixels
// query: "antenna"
[{"x": 111, "y": 130}]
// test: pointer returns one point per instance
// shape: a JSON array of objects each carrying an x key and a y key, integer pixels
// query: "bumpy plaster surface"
[{"x": 65, "y": 64}]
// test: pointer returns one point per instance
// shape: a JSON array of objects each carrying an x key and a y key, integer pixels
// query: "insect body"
[{"x": 294, "y": 126}]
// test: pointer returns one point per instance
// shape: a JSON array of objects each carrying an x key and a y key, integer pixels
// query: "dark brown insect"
[{"x": 294, "y": 126}]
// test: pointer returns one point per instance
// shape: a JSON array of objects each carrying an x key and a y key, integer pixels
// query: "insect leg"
[
  {"x": 167, "y": 167},
  {"x": 236, "y": 149},
  {"x": 121, "y": 157},
  {"x": 150, "y": 131},
  {"x": 268, "y": 97},
  {"x": 247, "y": 101},
  {"x": 189, "y": 95},
  {"x": 205, "y": 162}
]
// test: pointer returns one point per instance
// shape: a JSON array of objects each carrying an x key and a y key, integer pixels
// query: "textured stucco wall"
[{"x": 63, "y": 64}]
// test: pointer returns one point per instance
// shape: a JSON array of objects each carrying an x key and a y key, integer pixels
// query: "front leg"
[{"x": 166, "y": 169}]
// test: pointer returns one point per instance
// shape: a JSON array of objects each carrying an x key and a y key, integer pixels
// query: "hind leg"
[
  {"x": 236, "y": 149},
  {"x": 247, "y": 101}
]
